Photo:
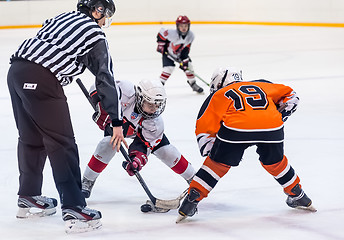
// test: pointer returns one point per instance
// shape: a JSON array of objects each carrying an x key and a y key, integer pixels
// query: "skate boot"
[
  {"x": 36, "y": 206},
  {"x": 189, "y": 205},
  {"x": 86, "y": 187},
  {"x": 81, "y": 219},
  {"x": 300, "y": 200},
  {"x": 195, "y": 87}
]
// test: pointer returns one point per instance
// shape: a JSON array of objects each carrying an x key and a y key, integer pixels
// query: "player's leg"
[
  {"x": 276, "y": 163},
  {"x": 167, "y": 68},
  {"x": 98, "y": 162},
  {"x": 170, "y": 155},
  {"x": 222, "y": 157},
  {"x": 190, "y": 76}
]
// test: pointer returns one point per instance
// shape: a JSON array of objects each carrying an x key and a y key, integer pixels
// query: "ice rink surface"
[{"x": 247, "y": 203}]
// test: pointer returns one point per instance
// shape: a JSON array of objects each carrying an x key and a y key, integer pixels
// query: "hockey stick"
[
  {"x": 181, "y": 64},
  {"x": 165, "y": 204}
]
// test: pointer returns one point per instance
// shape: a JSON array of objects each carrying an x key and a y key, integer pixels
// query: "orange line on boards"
[{"x": 206, "y": 22}]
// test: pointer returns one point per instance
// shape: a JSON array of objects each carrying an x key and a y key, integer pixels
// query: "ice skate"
[
  {"x": 86, "y": 187},
  {"x": 189, "y": 205},
  {"x": 195, "y": 87},
  {"x": 36, "y": 206},
  {"x": 300, "y": 200},
  {"x": 81, "y": 219}
]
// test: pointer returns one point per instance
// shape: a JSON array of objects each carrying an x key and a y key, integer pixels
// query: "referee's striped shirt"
[
  {"x": 65, "y": 45},
  {"x": 60, "y": 42}
]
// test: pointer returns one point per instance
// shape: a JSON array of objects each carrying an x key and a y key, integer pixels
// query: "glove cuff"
[{"x": 117, "y": 123}]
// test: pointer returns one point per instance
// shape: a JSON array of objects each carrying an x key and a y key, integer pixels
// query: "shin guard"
[
  {"x": 207, "y": 177},
  {"x": 284, "y": 175}
]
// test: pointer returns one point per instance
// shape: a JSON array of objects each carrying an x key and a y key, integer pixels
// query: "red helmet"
[{"x": 183, "y": 20}]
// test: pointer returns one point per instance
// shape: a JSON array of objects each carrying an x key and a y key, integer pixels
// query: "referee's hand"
[{"x": 117, "y": 138}]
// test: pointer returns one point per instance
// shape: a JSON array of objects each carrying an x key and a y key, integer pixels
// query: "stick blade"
[{"x": 170, "y": 204}]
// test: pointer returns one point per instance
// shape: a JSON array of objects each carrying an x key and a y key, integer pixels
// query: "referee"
[{"x": 64, "y": 47}]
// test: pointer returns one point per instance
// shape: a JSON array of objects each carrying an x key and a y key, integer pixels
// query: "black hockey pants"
[{"x": 44, "y": 125}]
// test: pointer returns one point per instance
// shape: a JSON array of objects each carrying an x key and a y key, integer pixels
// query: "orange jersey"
[{"x": 243, "y": 106}]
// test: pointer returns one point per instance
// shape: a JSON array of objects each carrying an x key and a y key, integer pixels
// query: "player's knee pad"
[
  {"x": 168, "y": 154},
  {"x": 104, "y": 151}
]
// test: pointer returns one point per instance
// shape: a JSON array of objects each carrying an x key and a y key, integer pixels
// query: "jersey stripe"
[{"x": 59, "y": 44}]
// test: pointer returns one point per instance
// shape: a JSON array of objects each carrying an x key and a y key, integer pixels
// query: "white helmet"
[
  {"x": 152, "y": 92},
  {"x": 223, "y": 76}
]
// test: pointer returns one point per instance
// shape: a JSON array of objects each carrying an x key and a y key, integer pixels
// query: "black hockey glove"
[
  {"x": 288, "y": 105},
  {"x": 286, "y": 114}
]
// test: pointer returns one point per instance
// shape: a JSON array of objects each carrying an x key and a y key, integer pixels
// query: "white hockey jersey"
[
  {"x": 149, "y": 130},
  {"x": 176, "y": 42}
]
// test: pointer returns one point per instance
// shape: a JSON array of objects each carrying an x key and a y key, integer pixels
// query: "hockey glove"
[
  {"x": 100, "y": 117},
  {"x": 138, "y": 159},
  {"x": 184, "y": 64},
  {"x": 205, "y": 143},
  {"x": 161, "y": 47},
  {"x": 290, "y": 105}
]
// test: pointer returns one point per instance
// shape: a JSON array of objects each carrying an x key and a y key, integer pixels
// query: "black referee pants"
[{"x": 44, "y": 125}]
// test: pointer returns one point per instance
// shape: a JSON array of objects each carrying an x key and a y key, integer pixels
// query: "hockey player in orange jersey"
[{"x": 236, "y": 115}]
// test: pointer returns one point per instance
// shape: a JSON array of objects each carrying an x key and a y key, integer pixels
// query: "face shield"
[
  {"x": 150, "y": 110},
  {"x": 105, "y": 12}
]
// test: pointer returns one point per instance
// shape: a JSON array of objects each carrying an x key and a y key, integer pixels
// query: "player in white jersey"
[
  {"x": 142, "y": 106},
  {"x": 174, "y": 45}
]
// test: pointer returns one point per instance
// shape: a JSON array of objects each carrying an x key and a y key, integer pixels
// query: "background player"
[
  {"x": 174, "y": 45},
  {"x": 238, "y": 115},
  {"x": 142, "y": 106}
]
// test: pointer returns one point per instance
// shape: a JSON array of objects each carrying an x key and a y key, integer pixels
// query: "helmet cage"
[{"x": 158, "y": 98}]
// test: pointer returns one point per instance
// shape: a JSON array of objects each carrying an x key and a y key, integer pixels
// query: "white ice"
[{"x": 247, "y": 203}]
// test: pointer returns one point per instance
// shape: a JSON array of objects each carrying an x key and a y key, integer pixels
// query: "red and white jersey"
[
  {"x": 149, "y": 130},
  {"x": 176, "y": 43}
]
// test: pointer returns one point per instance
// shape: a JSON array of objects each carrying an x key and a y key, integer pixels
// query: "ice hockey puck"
[{"x": 146, "y": 208}]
